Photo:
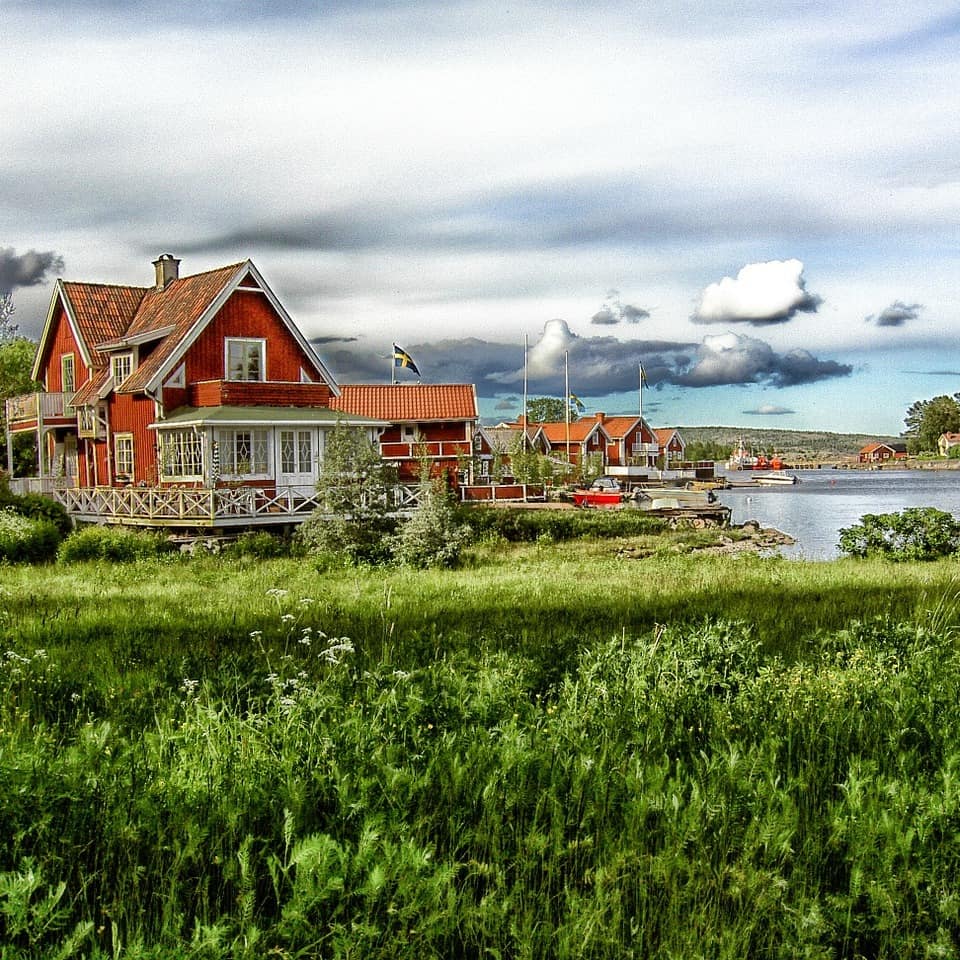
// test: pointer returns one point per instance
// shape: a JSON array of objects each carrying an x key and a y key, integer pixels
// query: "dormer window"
[
  {"x": 246, "y": 358},
  {"x": 121, "y": 366}
]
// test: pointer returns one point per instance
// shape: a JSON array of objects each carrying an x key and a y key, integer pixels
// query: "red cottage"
[
  {"x": 193, "y": 402},
  {"x": 434, "y": 423}
]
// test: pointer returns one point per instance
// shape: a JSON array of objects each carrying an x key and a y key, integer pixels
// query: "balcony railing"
[
  {"x": 432, "y": 449},
  {"x": 40, "y": 407},
  {"x": 202, "y": 507}
]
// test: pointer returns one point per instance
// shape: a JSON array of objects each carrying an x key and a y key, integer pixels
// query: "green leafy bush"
[
  {"x": 917, "y": 533},
  {"x": 528, "y": 526},
  {"x": 259, "y": 545},
  {"x": 23, "y": 540},
  {"x": 36, "y": 507},
  {"x": 352, "y": 524},
  {"x": 433, "y": 536},
  {"x": 117, "y": 544}
]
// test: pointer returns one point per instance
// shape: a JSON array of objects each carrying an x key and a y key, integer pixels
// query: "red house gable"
[{"x": 140, "y": 354}]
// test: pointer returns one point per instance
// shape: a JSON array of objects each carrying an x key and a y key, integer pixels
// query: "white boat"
[{"x": 776, "y": 478}]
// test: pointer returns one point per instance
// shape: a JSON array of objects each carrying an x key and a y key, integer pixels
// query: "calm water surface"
[{"x": 814, "y": 510}]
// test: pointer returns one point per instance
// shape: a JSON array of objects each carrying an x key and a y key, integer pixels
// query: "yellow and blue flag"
[
  {"x": 576, "y": 402},
  {"x": 403, "y": 359}
]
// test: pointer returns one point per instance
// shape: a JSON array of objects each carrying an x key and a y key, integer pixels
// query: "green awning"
[{"x": 262, "y": 417}]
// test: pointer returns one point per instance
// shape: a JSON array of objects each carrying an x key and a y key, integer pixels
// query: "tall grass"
[{"x": 565, "y": 755}]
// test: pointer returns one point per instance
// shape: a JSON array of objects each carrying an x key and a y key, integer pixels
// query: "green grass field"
[{"x": 552, "y": 752}]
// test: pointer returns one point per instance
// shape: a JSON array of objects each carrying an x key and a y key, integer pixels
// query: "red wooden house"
[
  {"x": 881, "y": 452},
  {"x": 671, "y": 445},
  {"x": 193, "y": 401},
  {"x": 575, "y": 441},
  {"x": 429, "y": 423},
  {"x": 632, "y": 442}
]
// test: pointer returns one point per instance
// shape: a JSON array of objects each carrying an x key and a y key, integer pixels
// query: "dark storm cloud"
[
  {"x": 613, "y": 312},
  {"x": 732, "y": 359},
  {"x": 597, "y": 365},
  {"x": 896, "y": 315},
  {"x": 586, "y": 211},
  {"x": 325, "y": 341},
  {"x": 26, "y": 270}
]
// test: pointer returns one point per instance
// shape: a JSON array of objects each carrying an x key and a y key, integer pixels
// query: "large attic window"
[{"x": 246, "y": 358}]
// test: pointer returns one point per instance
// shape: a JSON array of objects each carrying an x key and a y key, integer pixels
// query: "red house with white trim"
[
  {"x": 432, "y": 423},
  {"x": 198, "y": 383}
]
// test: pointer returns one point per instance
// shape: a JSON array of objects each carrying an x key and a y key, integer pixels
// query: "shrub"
[
  {"x": 917, "y": 533},
  {"x": 23, "y": 540},
  {"x": 260, "y": 545},
  {"x": 528, "y": 526},
  {"x": 433, "y": 536},
  {"x": 37, "y": 507},
  {"x": 352, "y": 524},
  {"x": 117, "y": 544}
]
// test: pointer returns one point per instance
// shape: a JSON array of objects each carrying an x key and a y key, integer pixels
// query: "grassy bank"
[{"x": 554, "y": 752}]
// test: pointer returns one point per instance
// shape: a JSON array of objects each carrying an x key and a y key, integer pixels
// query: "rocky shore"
[{"x": 743, "y": 538}]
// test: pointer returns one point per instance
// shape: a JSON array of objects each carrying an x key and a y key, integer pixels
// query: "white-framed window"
[
  {"x": 296, "y": 451},
  {"x": 246, "y": 358},
  {"x": 409, "y": 434},
  {"x": 121, "y": 366},
  {"x": 123, "y": 456},
  {"x": 244, "y": 453},
  {"x": 181, "y": 455},
  {"x": 68, "y": 373}
]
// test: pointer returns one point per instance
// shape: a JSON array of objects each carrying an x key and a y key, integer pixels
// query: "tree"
[
  {"x": 8, "y": 329},
  {"x": 433, "y": 536},
  {"x": 927, "y": 419},
  {"x": 940, "y": 415},
  {"x": 353, "y": 522},
  {"x": 16, "y": 363},
  {"x": 552, "y": 409}
]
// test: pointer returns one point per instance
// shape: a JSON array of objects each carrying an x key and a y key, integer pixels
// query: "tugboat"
[{"x": 741, "y": 458}]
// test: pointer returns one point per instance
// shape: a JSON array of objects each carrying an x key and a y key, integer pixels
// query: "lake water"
[{"x": 814, "y": 510}]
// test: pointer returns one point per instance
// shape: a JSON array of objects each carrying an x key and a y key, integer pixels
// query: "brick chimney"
[
  {"x": 167, "y": 267},
  {"x": 600, "y": 417}
]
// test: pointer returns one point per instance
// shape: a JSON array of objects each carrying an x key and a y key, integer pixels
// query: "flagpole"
[
  {"x": 393, "y": 367},
  {"x": 640, "y": 391},
  {"x": 566, "y": 397},
  {"x": 525, "y": 433}
]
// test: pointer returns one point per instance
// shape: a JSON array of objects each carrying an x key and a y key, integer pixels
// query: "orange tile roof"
[
  {"x": 180, "y": 304},
  {"x": 616, "y": 427},
  {"x": 90, "y": 391},
  {"x": 398, "y": 402},
  {"x": 579, "y": 430},
  {"x": 664, "y": 433},
  {"x": 103, "y": 311},
  {"x": 106, "y": 312}
]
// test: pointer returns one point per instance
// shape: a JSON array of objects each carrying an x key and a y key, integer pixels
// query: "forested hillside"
[{"x": 789, "y": 444}]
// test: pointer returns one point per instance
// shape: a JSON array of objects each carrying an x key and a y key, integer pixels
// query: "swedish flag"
[
  {"x": 403, "y": 359},
  {"x": 576, "y": 402}
]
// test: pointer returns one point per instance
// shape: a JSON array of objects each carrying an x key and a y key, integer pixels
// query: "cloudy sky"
[{"x": 758, "y": 202}]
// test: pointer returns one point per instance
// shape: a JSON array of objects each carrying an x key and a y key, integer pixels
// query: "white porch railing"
[{"x": 218, "y": 506}]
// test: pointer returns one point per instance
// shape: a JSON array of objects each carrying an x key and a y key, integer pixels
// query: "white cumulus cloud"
[{"x": 761, "y": 293}]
